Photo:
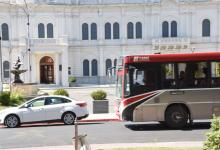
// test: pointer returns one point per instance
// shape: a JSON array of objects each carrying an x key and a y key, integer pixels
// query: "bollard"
[
  {"x": 76, "y": 134},
  {"x": 80, "y": 140}
]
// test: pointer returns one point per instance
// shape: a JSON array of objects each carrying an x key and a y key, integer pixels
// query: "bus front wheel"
[{"x": 176, "y": 117}]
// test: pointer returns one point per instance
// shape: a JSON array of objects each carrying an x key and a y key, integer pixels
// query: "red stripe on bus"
[
  {"x": 173, "y": 57},
  {"x": 131, "y": 100}
]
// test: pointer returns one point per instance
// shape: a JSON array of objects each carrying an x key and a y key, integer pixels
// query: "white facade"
[{"x": 68, "y": 51}]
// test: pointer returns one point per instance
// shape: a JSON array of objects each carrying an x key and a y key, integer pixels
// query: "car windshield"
[{"x": 27, "y": 102}]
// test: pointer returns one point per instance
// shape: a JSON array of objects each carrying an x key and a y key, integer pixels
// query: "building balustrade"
[
  {"x": 48, "y": 41},
  {"x": 84, "y": 2},
  {"x": 110, "y": 42},
  {"x": 174, "y": 43}
]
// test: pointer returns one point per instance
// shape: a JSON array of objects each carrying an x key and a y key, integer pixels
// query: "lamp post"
[{"x": 27, "y": 12}]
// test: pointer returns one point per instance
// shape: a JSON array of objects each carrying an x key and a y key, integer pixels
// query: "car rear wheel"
[
  {"x": 12, "y": 121},
  {"x": 68, "y": 118}
]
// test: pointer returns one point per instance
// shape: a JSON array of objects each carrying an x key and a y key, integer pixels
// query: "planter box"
[
  {"x": 100, "y": 106},
  {"x": 72, "y": 84}
]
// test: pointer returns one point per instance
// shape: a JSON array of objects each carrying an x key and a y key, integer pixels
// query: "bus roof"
[{"x": 184, "y": 57}]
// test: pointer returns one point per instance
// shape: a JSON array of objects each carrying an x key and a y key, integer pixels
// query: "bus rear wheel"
[{"x": 176, "y": 117}]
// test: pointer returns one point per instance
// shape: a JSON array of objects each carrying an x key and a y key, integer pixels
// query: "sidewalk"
[{"x": 119, "y": 145}]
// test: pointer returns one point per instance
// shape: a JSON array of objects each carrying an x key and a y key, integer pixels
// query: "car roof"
[{"x": 45, "y": 96}]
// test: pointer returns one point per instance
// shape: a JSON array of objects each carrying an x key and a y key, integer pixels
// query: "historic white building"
[{"x": 83, "y": 38}]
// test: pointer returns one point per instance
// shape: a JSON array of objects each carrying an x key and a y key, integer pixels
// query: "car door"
[
  {"x": 35, "y": 111},
  {"x": 54, "y": 107}
]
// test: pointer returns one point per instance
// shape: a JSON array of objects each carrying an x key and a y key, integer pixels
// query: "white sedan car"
[{"x": 45, "y": 109}]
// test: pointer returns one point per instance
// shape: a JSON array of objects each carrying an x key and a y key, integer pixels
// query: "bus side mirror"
[{"x": 109, "y": 74}]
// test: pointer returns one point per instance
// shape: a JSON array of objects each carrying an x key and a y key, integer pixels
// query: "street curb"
[
  {"x": 79, "y": 121},
  {"x": 100, "y": 120},
  {"x": 185, "y": 144},
  {"x": 78, "y": 87}
]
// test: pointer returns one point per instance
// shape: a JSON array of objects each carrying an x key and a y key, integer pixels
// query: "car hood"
[{"x": 8, "y": 110}]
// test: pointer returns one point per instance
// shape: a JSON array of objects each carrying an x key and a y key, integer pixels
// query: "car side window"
[
  {"x": 65, "y": 100},
  {"x": 55, "y": 100},
  {"x": 37, "y": 103}
]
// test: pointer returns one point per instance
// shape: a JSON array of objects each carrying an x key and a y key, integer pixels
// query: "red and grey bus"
[{"x": 169, "y": 88}]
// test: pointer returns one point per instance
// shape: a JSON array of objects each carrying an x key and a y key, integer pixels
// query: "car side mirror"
[{"x": 26, "y": 105}]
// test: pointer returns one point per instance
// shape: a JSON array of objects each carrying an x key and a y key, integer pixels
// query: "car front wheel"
[
  {"x": 69, "y": 118},
  {"x": 12, "y": 121}
]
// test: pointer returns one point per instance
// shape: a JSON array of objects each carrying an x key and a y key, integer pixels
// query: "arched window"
[
  {"x": 5, "y": 33},
  {"x": 94, "y": 67},
  {"x": 107, "y": 31},
  {"x": 85, "y": 31},
  {"x": 138, "y": 30},
  {"x": 41, "y": 31},
  {"x": 6, "y": 69},
  {"x": 49, "y": 30},
  {"x": 93, "y": 31},
  {"x": 108, "y": 64},
  {"x": 130, "y": 30},
  {"x": 85, "y": 67},
  {"x": 173, "y": 29},
  {"x": 165, "y": 29},
  {"x": 206, "y": 27},
  {"x": 116, "y": 33}
]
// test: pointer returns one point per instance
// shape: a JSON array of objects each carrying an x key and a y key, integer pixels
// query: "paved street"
[{"x": 98, "y": 133}]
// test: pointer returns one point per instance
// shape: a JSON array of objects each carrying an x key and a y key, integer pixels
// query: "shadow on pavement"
[{"x": 155, "y": 127}]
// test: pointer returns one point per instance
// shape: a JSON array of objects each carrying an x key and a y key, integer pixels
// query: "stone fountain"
[
  {"x": 27, "y": 90},
  {"x": 16, "y": 71}
]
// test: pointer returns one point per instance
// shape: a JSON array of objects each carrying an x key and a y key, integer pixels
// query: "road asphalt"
[{"x": 112, "y": 117}]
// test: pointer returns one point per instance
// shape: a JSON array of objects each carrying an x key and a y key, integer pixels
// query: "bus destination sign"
[{"x": 141, "y": 58}]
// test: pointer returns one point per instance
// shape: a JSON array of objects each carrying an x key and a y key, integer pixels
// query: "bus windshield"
[{"x": 145, "y": 77}]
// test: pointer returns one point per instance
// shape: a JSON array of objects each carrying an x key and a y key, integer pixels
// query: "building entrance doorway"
[{"x": 46, "y": 70}]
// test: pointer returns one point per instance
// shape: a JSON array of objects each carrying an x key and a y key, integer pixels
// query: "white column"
[
  {"x": 194, "y": 28},
  {"x": 145, "y": 25},
  {"x": 218, "y": 26},
  {"x": 101, "y": 63},
  {"x": 34, "y": 70},
  {"x": 56, "y": 69},
  {"x": 64, "y": 64},
  {"x": 123, "y": 26},
  {"x": 100, "y": 27}
]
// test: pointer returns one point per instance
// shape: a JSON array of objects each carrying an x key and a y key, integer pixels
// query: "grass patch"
[{"x": 157, "y": 148}]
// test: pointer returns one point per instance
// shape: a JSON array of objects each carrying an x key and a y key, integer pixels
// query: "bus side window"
[
  {"x": 189, "y": 80},
  {"x": 201, "y": 75},
  {"x": 215, "y": 74},
  {"x": 169, "y": 76},
  {"x": 181, "y": 75}
]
